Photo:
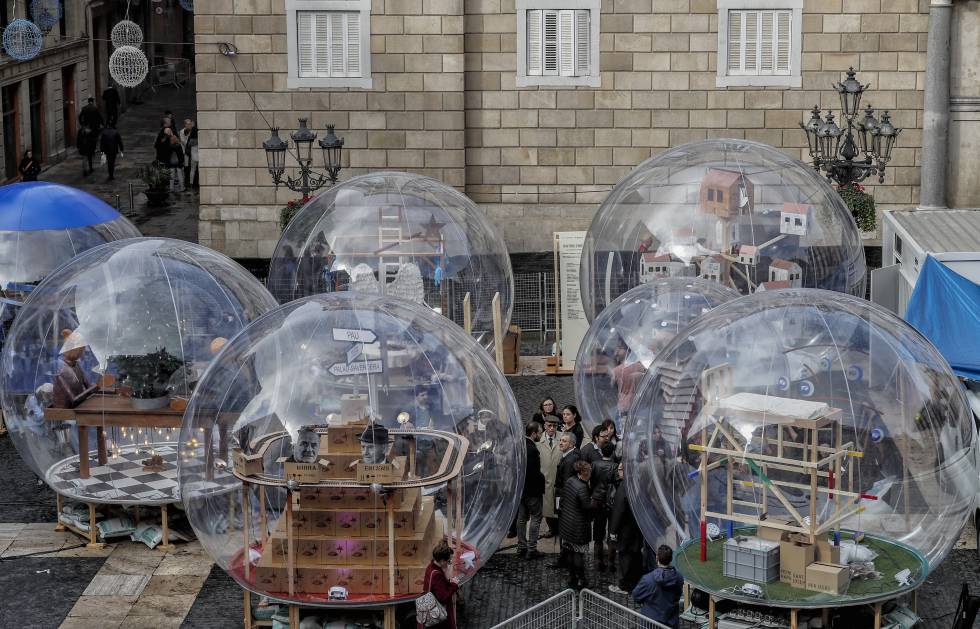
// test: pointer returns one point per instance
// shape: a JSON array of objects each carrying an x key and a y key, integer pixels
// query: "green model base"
[{"x": 893, "y": 557}]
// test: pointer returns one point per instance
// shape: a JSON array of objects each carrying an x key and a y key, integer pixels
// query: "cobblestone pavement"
[
  {"x": 50, "y": 580},
  {"x": 139, "y": 126}
]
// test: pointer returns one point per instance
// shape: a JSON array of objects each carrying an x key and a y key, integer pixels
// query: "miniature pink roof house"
[
  {"x": 794, "y": 218},
  {"x": 785, "y": 271},
  {"x": 725, "y": 194},
  {"x": 666, "y": 265}
]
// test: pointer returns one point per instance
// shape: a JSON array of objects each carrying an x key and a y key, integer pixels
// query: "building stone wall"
[
  {"x": 538, "y": 160},
  {"x": 963, "y": 178}
]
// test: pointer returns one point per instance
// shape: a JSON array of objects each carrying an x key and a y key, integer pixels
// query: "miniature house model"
[
  {"x": 666, "y": 265},
  {"x": 712, "y": 268},
  {"x": 794, "y": 218},
  {"x": 813, "y": 482},
  {"x": 725, "y": 193},
  {"x": 355, "y": 448},
  {"x": 786, "y": 271},
  {"x": 748, "y": 255}
]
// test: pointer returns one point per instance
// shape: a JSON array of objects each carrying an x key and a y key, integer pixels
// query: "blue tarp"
[
  {"x": 945, "y": 308},
  {"x": 35, "y": 205}
]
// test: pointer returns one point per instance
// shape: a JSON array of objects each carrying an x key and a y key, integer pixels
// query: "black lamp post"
[
  {"x": 309, "y": 180},
  {"x": 837, "y": 151}
]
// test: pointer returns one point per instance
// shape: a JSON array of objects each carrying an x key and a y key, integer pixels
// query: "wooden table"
[{"x": 100, "y": 411}]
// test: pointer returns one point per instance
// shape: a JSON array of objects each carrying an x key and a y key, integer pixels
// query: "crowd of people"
[
  {"x": 574, "y": 484},
  {"x": 176, "y": 150}
]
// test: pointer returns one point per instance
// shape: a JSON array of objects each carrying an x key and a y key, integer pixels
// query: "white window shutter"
[
  {"x": 766, "y": 43},
  {"x": 734, "y": 41},
  {"x": 338, "y": 49},
  {"x": 534, "y": 41},
  {"x": 583, "y": 42},
  {"x": 550, "y": 43},
  {"x": 750, "y": 60},
  {"x": 305, "y": 43},
  {"x": 321, "y": 44},
  {"x": 354, "y": 44},
  {"x": 566, "y": 39},
  {"x": 783, "y": 35}
]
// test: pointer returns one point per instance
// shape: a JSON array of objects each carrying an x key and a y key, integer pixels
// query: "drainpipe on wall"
[
  {"x": 935, "y": 126},
  {"x": 90, "y": 26}
]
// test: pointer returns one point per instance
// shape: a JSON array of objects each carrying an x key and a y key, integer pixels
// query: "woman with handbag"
[{"x": 436, "y": 608}]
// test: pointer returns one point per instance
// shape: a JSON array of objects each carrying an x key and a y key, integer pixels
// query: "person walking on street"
[
  {"x": 110, "y": 99},
  {"x": 188, "y": 141},
  {"x": 29, "y": 167},
  {"x": 111, "y": 145},
  {"x": 176, "y": 163},
  {"x": 603, "y": 476},
  {"x": 91, "y": 117},
  {"x": 439, "y": 583},
  {"x": 570, "y": 455},
  {"x": 573, "y": 522},
  {"x": 86, "y": 142},
  {"x": 625, "y": 534},
  {"x": 531, "y": 496},
  {"x": 550, "y": 456},
  {"x": 659, "y": 592},
  {"x": 592, "y": 451},
  {"x": 161, "y": 146}
]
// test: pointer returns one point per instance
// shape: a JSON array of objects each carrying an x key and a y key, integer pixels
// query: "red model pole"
[
  {"x": 704, "y": 541},
  {"x": 830, "y": 481}
]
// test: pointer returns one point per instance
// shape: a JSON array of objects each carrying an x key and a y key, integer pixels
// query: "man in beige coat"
[{"x": 550, "y": 456}]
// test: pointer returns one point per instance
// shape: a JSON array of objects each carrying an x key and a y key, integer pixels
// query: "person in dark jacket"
[
  {"x": 531, "y": 496},
  {"x": 659, "y": 592},
  {"x": 161, "y": 146},
  {"x": 569, "y": 455},
  {"x": 572, "y": 422},
  {"x": 110, "y": 98},
  {"x": 573, "y": 523},
  {"x": 625, "y": 534},
  {"x": 603, "y": 475},
  {"x": 176, "y": 163},
  {"x": 547, "y": 408},
  {"x": 87, "y": 141},
  {"x": 592, "y": 452},
  {"x": 444, "y": 588},
  {"x": 29, "y": 167},
  {"x": 112, "y": 145},
  {"x": 91, "y": 117}
]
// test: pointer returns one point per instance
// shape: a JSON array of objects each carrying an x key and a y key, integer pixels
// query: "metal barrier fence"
[
  {"x": 557, "y": 612},
  {"x": 586, "y": 610}
]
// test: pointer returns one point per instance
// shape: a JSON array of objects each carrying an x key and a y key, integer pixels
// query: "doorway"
[
  {"x": 11, "y": 132},
  {"x": 35, "y": 90},
  {"x": 68, "y": 114}
]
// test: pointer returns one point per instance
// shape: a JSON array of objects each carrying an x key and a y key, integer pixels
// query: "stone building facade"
[{"x": 444, "y": 100}]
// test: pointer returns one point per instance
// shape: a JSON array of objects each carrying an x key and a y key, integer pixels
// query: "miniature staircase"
[{"x": 679, "y": 397}]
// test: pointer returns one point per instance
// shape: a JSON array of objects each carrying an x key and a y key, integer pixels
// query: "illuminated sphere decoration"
[
  {"x": 46, "y": 13},
  {"x": 343, "y": 425},
  {"x": 22, "y": 39},
  {"x": 625, "y": 338},
  {"x": 126, "y": 33},
  {"x": 737, "y": 212},
  {"x": 806, "y": 413},
  {"x": 128, "y": 66},
  {"x": 187, "y": 5},
  {"x": 402, "y": 235},
  {"x": 104, "y": 355}
]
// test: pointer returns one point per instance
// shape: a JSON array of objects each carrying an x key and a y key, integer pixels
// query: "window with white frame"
[
  {"x": 759, "y": 42},
  {"x": 328, "y": 43},
  {"x": 558, "y": 45}
]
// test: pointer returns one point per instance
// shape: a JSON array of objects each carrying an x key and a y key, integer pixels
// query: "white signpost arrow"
[
  {"x": 356, "y": 350},
  {"x": 358, "y": 368},
  {"x": 355, "y": 336}
]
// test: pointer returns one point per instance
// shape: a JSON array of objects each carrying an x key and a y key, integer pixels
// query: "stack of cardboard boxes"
[{"x": 814, "y": 567}]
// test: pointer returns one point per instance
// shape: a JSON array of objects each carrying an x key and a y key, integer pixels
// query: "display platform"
[{"x": 893, "y": 557}]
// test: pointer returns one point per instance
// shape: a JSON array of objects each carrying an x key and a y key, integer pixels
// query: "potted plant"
[
  {"x": 148, "y": 375},
  {"x": 156, "y": 176},
  {"x": 861, "y": 204},
  {"x": 291, "y": 210}
]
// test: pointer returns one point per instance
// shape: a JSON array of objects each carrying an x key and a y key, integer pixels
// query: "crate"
[{"x": 751, "y": 559}]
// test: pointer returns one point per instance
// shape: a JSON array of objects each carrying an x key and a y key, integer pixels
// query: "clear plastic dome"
[
  {"x": 398, "y": 234},
  {"x": 102, "y": 358},
  {"x": 340, "y": 438},
  {"x": 43, "y": 225},
  {"x": 625, "y": 338},
  {"x": 733, "y": 211},
  {"x": 720, "y": 447}
]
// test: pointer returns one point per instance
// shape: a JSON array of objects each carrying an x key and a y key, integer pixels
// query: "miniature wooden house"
[
  {"x": 712, "y": 268},
  {"x": 748, "y": 254},
  {"x": 794, "y": 218},
  {"x": 772, "y": 285},
  {"x": 785, "y": 271},
  {"x": 725, "y": 193},
  {"x": 667, "y": 265}
]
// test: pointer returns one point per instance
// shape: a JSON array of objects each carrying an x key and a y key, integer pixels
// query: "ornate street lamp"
[
  {"x": 309, "y": 180},
  {"x": 837, "y": 150}
]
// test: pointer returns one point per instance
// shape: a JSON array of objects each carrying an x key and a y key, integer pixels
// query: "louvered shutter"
[
  {"x": 766, "y": 43},
  {"x": 338, "y": 65},
  {"x": 750, "y": 56},
  {"x": 566, "y": 40},
  {"x": 305, "y": 44},
  {"x": 583, "y": 43},
  {"x": 534, "y": 43},
  {"x": 783, "y": 35},
  {"x": 734, "y": 41},
  {"x": 353, "y": 44},
  {"x": 550, "y": 43}
]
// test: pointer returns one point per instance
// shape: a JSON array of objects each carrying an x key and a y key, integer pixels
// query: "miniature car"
[
  {"x": 337, "y": 593},
  {"x": 751, "y": 589}
]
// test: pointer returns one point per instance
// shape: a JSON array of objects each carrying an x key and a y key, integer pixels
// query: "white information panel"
[{"x": 572, "y": 324}]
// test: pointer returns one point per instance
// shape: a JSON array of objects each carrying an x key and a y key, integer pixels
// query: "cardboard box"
[
  {"x": 773, "y": 534},
  {"x": 793, "y": 560},
  {"x": 303, "y": 523},
  {"x": 823, "y": 577},
  {"x": 348, "y": 524},
  {"x": 416, "y": 580},
  {"x": 360, "y": 552},
  {"x": 323, "y": 524},
  {"x": 269, "y": 579},
  {"x": 512, "y": 349},
  {"x": 368, "y": 581},
  {"x": 315, "y": 580},
  {"x": 310, "y": 497},
  {"x": 309, "y": 552},
  {"x": 335, "y": 552},
  {"x": 341, "y": 440},
  {"x": 353, "y": 407},
  {"x": 827, "y": 552}
]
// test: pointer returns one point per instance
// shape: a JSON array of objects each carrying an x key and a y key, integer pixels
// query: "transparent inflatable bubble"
[
  {"x": 809, "y": 425},
  {"x": 339, "y": 439},
  {"x": 398, "y": 234},
  {"x": 625, "y": 338},
  {"x": 732, "y": 211},
  {"x": 104, "y": 355}
]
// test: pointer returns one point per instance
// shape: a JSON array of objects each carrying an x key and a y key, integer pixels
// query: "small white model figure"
[
  {"x": 363, "y": 280},
  {"x": 407, "y": 284}
]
